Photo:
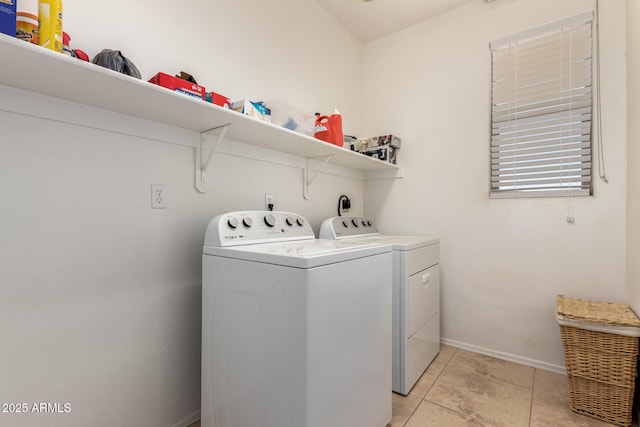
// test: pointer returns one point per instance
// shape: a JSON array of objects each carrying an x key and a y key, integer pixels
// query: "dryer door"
[{"x": 423, "y": 298}]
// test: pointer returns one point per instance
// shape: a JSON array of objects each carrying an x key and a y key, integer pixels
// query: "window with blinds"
[{"x": 541, "y": 111}]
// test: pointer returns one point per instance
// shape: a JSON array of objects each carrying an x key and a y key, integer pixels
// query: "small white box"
[{"x": 252, "y": 109}]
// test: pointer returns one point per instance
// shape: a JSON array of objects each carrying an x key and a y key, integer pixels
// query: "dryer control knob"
[
  {"x": 232, "y": 222},
  {"x": 300, "y": 221},
  {"x": 247, "y": 221},
  {"x": 369, "y": 223},
  {"x": 354, "y": 222},
  {"x": 345, "y": 223},
  {"x": 289, "y": 221},
  {"x": 270, "y": 220},
  {"x": 364, "y": 223}
]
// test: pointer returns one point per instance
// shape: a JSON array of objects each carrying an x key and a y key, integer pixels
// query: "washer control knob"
[
  {"x": 354, "y": 222},
  {"x": 300, "y": 221},
  {"x": 270, "y": 220},
  {"x": 232, "y": 222},
  {"x": 345, "y": 223},
  {"x": 364, "y": 223},
  {"x": 369, "y": 223},
  {"x": 247, "y": 221},
  {"x": 289, "y": 221}
]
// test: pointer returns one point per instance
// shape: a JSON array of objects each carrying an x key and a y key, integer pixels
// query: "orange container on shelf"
[
  {"x": 27, "y": 27},
  {"x": 329, "y": 128}
]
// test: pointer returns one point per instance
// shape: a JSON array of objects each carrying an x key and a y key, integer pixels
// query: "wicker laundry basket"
[{"x": 600, "y": 342}]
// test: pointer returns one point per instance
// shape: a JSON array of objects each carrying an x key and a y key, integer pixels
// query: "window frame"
[{"x": 579, "y": 126}]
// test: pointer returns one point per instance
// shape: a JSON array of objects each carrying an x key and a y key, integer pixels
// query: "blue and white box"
[{"x": 8, "y": 17}]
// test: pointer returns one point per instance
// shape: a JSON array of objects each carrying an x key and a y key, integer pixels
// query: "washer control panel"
[
  {"x": 340, "y": 227},
  {"x": 248, "y": 227}
]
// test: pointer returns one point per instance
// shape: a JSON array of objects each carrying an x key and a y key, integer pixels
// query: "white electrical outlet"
[
  {"x": 268, "y": 200},
  {"x": 158, "y": 196}
]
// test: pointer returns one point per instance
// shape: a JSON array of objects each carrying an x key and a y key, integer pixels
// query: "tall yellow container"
[{"x": 50, "y": 24}]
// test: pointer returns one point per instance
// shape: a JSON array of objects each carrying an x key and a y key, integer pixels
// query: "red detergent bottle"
[{"x": 324, "y": 130}]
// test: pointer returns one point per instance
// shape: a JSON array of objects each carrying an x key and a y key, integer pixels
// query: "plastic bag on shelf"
[
  {"x": 115, "y": 60},
  {"x": 291, "y": 117}
]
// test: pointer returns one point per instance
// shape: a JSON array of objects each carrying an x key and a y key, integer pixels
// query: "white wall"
[
  {"x": 633, "y": 148},
  {"x": 503, "y": 261},
  {"x": 100, "y": 304},
  {"x": 100, "y": 298}
]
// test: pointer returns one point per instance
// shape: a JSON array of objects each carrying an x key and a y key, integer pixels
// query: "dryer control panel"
[
  {"x": 248, "y": 227},
  {"x": 341, "y": 227}
]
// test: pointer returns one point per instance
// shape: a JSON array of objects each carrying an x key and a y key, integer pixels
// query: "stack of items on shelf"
[
  {"x": 40, "y": 22},
  {"x": 384, "y": 147}
]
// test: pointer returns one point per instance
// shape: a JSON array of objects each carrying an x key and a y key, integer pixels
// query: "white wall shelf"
[{"x": 32, "y": 68}]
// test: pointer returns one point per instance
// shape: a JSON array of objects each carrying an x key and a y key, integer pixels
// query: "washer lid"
[
  {"x": 402, "y": 243},
  {"x": 301, "y": 254},
  {"x": 357, "y": 228}
]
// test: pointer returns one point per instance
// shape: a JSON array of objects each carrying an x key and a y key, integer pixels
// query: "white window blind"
[{"x": 541, "y": 111}]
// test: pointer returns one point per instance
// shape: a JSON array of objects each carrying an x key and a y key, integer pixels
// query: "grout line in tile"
[
  {"x": 533, "y": 389},
  {"x": 422, "y": 398},
  {"x": 411, "y": 415},
  {"x": 412, "y": 412},
  {"x": 439, "y": 374},
  {"x": 466, "y": 417}
]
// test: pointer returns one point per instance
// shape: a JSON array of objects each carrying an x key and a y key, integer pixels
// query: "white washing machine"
[
  {"x": 416, "y": 294},
  {"x": 296, "y": 331}
]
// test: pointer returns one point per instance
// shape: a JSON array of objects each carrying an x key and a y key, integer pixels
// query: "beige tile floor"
[{"x": 464, "y": 389}]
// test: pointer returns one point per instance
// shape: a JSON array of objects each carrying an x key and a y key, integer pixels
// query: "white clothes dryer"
[
  {"x": 296, "y": 331},
  {"x": 416, "y": 294}
]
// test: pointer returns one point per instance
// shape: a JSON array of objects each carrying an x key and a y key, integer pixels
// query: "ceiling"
[{"x": 369, "y": 20}]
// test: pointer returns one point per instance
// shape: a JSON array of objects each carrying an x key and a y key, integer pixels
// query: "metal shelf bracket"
[
  {"x": 202, "y": 160},
  {"x": 306, "y": 180}
]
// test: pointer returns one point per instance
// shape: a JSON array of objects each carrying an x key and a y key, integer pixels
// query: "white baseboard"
[
  {"x": 507, "y": 356},
  {"x": 188, "y": 420}
]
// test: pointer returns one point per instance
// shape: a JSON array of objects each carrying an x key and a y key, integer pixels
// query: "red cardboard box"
[
  {"x": 179, "y": 85},
  {"x": 217, "y": 99}
]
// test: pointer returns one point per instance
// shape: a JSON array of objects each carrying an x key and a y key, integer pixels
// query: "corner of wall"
[{"x": 633, "y": 155}]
